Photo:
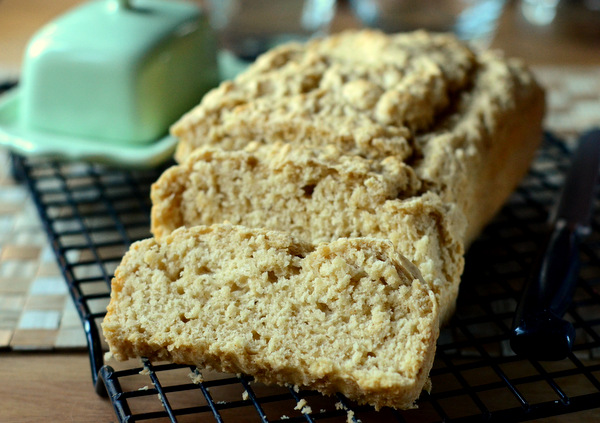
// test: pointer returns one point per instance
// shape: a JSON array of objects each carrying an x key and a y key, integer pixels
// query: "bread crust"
[{"x": 365, "y": 92}]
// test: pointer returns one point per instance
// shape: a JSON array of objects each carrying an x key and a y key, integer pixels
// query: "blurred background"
[{"x": 540, "y": 31}]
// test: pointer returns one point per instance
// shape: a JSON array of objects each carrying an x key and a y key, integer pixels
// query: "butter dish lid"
[
  {"x": 117, "y": 70},
  {"x": 121, "y": 27}
]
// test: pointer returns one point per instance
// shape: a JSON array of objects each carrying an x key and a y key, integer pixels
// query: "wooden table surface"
[{"x": 56, "y": 386}]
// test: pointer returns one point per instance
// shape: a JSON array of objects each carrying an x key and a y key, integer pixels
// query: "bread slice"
[
  {"x": 317, "y": 196},
  {"x": 351, "y": 316}
]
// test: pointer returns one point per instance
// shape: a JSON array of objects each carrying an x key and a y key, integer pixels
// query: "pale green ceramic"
[
  {"x": 116, "y": 72},
  {"x": 38, "y": 143}
]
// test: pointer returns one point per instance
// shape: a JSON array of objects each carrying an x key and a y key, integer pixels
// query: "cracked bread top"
[{"x": 365, "y": 92}]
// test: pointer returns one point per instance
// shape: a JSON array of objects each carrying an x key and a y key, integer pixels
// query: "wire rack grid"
[{"x": 93, "y": 213}]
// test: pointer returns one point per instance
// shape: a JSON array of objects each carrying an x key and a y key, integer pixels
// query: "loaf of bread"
[
  {"x": 317, "y": 196},
  {"x": 358, "y": 154},
  {"x": 467, "y": 123},
  {"x": 350, "y": 316}
]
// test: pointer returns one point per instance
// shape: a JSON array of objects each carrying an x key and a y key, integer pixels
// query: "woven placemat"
[{"x": 36, "y": 311}]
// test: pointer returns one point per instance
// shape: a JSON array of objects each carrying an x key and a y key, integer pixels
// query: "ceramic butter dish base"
[{"x": 36, "y": 143}]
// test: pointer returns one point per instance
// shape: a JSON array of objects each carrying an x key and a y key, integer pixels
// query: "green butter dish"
[{"x": 106, "y": 80}]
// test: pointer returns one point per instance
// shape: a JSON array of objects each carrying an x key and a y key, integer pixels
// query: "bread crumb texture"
[
  {"x": 350, "y": 316},
  {"x": 317, "y": 196}
]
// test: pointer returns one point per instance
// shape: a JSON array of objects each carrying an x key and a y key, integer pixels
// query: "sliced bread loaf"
[{"x": 409, "y": 138}]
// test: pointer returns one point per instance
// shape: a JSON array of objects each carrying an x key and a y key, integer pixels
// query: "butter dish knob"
[{"x": 122, "y": 4}]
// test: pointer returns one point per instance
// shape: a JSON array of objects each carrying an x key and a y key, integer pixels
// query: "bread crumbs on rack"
[
  {"x": 303, "y": 407},
  {"x": 300, "y": 404},
  {"x": 245, "y": 395},
  {"x": 350, "y": 417},
  {"x": 196, "y": 377}
]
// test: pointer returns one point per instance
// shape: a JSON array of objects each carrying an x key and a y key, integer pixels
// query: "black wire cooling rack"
[{"x": 92, "y": 213}]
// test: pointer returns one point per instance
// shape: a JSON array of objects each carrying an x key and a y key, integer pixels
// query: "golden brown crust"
[
  {"x": 476, "y": 156},
  {"x": 364, "y": 92}
]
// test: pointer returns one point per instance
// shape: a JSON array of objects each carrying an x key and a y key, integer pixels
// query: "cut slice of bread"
[
  {"x": 317, "y": 196},
  {"x": 351, "y": 316}
]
